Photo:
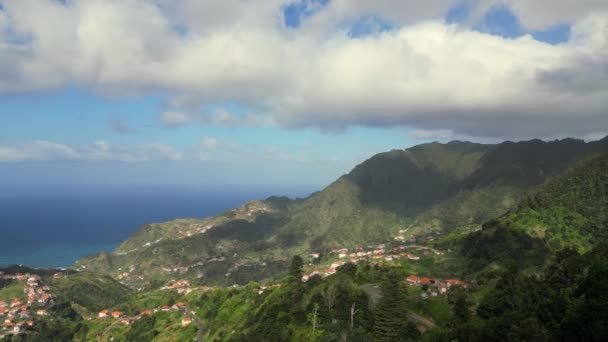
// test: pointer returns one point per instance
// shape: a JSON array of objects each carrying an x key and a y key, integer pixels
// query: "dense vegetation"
[{"x": 568, "y": 302}]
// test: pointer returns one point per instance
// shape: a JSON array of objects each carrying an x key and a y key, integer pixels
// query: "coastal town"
[{"x": 19, "y": 313}]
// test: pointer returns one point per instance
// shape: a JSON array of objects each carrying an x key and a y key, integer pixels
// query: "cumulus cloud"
[
  {"x": 208, "y": 149},
  {"x": 97, "y": 151},
  {"x": 221, "y": 117},
  {"x": 424, "y": 73},
  {"x": 432, "y": 134}
]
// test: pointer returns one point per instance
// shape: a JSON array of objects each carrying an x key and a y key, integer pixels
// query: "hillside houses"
[
  {"x": 373, "y": 254},
  {"x": 17, "y": 314},
  {"x": 124, "y": 319},
  {"x": 435, "y": 284}
]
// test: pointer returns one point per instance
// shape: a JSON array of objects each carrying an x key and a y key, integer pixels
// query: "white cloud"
[
  {"x": 425, "y": 74},
  {"x": 209, "y": 142},
  {"x": 219, "y": 117},
  {"x": 208, "y": 149},
  {"x": 38, "y": 150},
  {"x": 98, "y": 151},
  {"x": 431, "y": 134}
]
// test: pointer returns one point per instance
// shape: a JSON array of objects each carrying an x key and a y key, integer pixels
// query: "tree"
[
  {"x": 349, "y": 268},
  {"x": 297, "y": 267},
  {"x": 353, "y": 312},
  {"x": 458, "y": 299},
  {"x": 142, "y": 330},
  {"x": 391, "y": 323},
  {"x": 329, "y": 295},
  {"x": 314, "y": 319}
]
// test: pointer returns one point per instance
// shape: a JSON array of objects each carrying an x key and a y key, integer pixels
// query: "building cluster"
[
  {"x": 181, "y": 286},
  {"x": 435, "y": 286},
  {"x": 373, "y": 254},
  {"x": 122, "y": 318},
  {"x": 18, "y": 313}
]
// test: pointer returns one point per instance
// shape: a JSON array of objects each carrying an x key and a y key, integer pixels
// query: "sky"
[{"x": 284, "y": 92}]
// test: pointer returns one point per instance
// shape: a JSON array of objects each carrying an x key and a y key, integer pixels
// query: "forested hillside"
[{"x": 441, "y": 188}]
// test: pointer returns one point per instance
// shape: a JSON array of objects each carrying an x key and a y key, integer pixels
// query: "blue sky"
[{"x": 216, "y": 102}]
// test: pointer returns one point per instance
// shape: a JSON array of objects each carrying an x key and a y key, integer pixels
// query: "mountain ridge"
[{"x": 426, "y": 188}]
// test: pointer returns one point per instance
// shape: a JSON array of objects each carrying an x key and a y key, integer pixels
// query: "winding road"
[{"x": 200, "y": 334}]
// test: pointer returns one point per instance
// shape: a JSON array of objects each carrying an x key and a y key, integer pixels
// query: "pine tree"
[
  {"x": 391, "y": 324},
  {"x": 297, "y": 267}
]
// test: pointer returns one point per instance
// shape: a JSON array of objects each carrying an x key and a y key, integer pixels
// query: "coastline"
[{"x": 55, "y": 255}]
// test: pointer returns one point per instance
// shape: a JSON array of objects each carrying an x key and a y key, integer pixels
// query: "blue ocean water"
[{"x": 53, "y": 226}]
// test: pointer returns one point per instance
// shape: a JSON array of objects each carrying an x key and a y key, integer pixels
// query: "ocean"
[{"x": 53, "y": 226}]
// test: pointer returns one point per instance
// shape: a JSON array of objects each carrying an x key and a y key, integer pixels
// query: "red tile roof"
[{"x": 413, "y": 278}]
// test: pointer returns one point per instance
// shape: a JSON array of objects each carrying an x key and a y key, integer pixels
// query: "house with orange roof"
[
  {"x": 16, "y": 302},
  {"x": 186, "y": 321},
  {"x": 179, "y": 305},
  {"x": 413, "y": 280},
  {"x": 44, "y": 298},
  {"x": 452, "y": 282},
  {"x": 104, "y": 313},
  {"x": 117, "y": 314},
  {"x": 146, "y": 313},
  {"x": 165, "y": 308}
]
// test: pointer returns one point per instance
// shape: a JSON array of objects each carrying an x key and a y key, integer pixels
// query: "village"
[
  {"x": 19, "y": 314},
  {"x": 402, "y": 248},
  {"x": 180, "y": 286},
  {"x": 434, "y": 286}
]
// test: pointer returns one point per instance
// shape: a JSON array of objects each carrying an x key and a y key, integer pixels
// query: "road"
[
  {"x": 198, "y": 322},
  {"x": 420, "y": 320}
]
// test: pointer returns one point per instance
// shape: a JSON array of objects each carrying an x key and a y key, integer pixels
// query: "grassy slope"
[
  {"x": 90, "y": 290},
  {"x": 9, "y": 292},
  {"x": 569, "y": 211}
]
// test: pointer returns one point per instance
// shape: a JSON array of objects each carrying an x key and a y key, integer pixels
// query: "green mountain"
[
  {"x": 431, "y": 187},
  {"x": 569, "y": 211}
]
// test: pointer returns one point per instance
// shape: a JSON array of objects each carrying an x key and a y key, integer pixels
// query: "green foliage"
[
  {"x": 143, "y": 330},
  {"x": 567, "y": 302},
  {"x": 92, "y": 291},
  {"x": 11, "y": 291},
  {"x": 571, "y": 210},
  {"x": 390, "y": 319},
  {"x": 296, "y": 270}
]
